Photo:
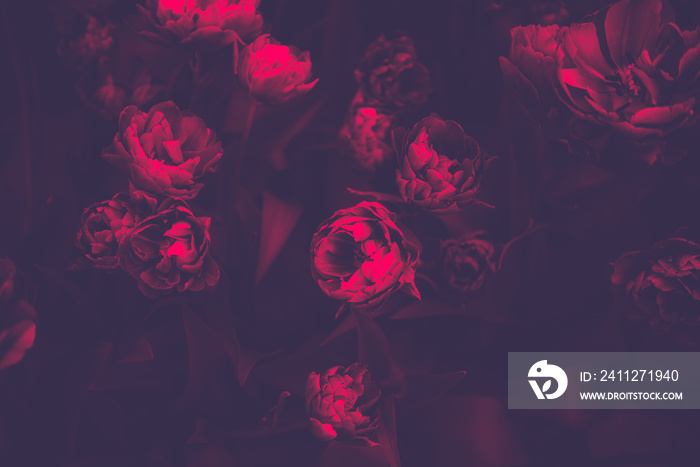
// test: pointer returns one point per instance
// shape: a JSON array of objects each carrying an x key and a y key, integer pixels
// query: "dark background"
[{"x": 75, "y": 401}]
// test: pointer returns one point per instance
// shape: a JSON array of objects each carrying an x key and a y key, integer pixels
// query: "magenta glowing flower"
[
  {"x": 165, "y": 151},
  {"x": 274, "y": 73},
  {"x": 440, "y": 167},
  {"x": 105, "y": 224},
  {"x": 169, "y": 251},
  {"x": 360, "y": 256},
  {"x": 342, "y": 403},
  {"x": 209, "y": 23},
  {"x": 632, "y": 69}
]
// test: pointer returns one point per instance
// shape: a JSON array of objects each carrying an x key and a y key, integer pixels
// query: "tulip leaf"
[
  {"x": 579, "y": 177},
  {"x": 246, "y": 362},
  {"x": 347, "y": 324},
  {"x": 422, "y": 389},
  {"x": 427, "y": 308},
  {"x": 20, "y": 310},
  {"x": 485, "y": 430},
  {"x": 200, "y": 433},
  {"x": 106, "y": 415},
  {"x": 377, "y": 196},
  {"x": 608, "y": 207},
  {"x": 248, "y": 214},
  {"x": 350, "y": 454},
  {"x": 139, "y": 350},
  {"x": 80, "y": 376},
  {"x": 302, "y": 115},
  {"x": 121, "y": 376},
  {"x": 373, "y": 348},
  {"x": 266, "y": 431},
  {"x": 521, "y": 87},
  {"x": 532, "y": 229},
  {"x": 211, "y": 455},
  {"x": 15, "y": 341},
  {"x": 272, "y": 417},
  {"x": 205, "y": 355},
  {"x": 395, "y": 303},
  {"x": 278, "y": 220},
  {"x": 386, "y": 432}
]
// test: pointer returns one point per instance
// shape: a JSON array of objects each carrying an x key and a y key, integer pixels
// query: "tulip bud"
[{"x": 273, "y": 73}]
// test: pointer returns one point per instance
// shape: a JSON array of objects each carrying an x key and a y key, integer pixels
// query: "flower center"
[
  {"x": 633, "y": 86},
  {"x": 626, "y": 82},
  {"x": 360, "y": 258}
]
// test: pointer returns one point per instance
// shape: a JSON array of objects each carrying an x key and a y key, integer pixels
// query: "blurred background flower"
[
  {"x": 112, "y": 69},
  {"x": 366, "y": 135},
  {"x": 391, "y": 76},
  {"x": 660, "y": 286},
  {"x": 17, "y": 319},
  {"x": 466, "y": 262}
]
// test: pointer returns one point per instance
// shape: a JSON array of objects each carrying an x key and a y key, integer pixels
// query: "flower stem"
[
  {"x": 199, "y": 85},
  {"x": 244, "y": 142}
]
